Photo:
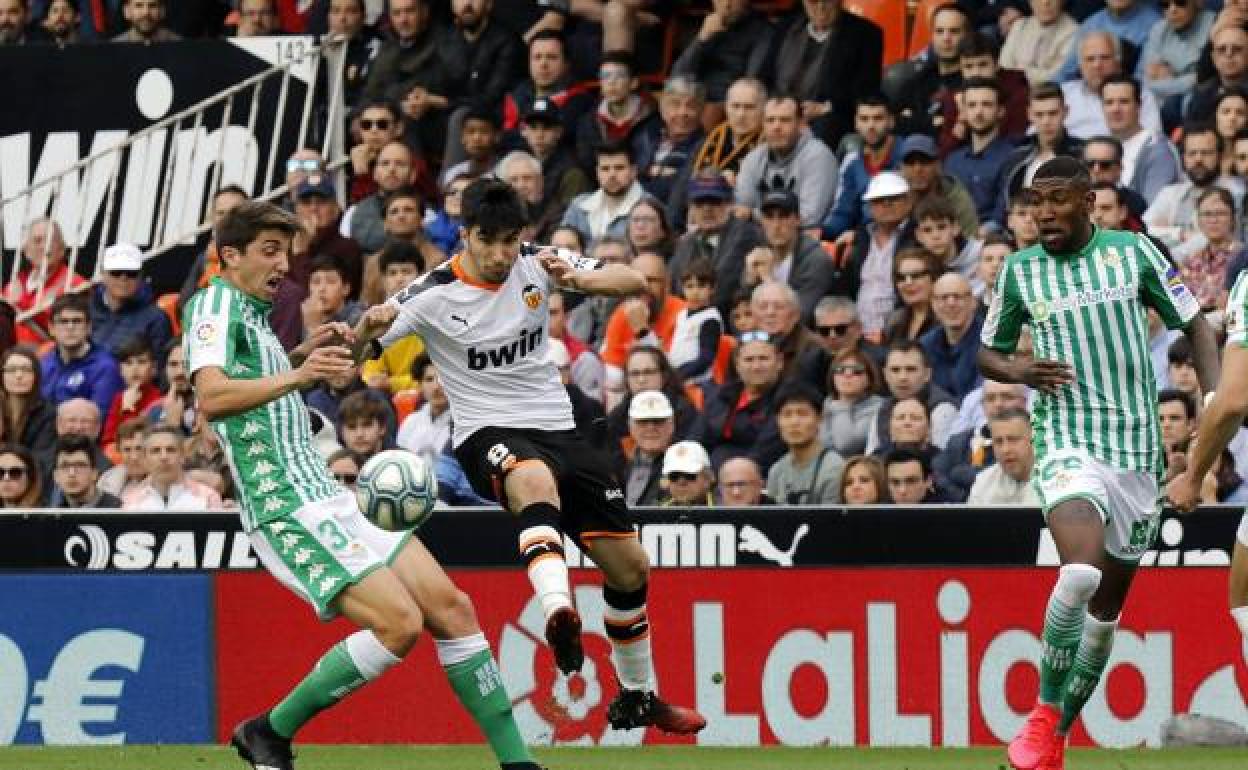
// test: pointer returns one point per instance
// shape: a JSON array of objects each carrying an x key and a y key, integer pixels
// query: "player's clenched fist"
[{"x": 377, "y": 319}]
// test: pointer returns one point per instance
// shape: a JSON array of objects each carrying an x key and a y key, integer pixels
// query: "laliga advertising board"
[{"x": 867, "y": 656}]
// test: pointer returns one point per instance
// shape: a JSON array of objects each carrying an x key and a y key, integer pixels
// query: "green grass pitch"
[{"x": 648, "y": 758}]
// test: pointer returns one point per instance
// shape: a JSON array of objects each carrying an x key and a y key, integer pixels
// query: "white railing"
[{"x": 210, "y": 149}]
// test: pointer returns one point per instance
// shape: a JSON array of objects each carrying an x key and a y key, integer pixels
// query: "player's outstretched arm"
[
  {"x": 372, "y": 325},
  {"x": 1037, "y": 373},
  {"x": 219, "y": 396},
  {"x": 612, "y": 280},
  {"x": 1204, "y": 352}
]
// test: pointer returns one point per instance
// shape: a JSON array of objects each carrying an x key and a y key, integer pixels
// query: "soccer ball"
[{"x": 397, "y": 490}]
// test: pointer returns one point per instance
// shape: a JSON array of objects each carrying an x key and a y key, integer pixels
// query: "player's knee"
[
  {"x": 632, "y": 572},
  {"x": 457, "y": 616},
  {"x": 531, "y": 482},
  {"x": 399, "y": 628},
  {"x": 1077, "y": 583}
]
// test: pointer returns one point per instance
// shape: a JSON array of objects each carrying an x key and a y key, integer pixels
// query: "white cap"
[
  {"x": 685, "y": 457},
  {"x": 122, "y": 256},
  {"x": 650, "y": 405},
  {"x": 886, "y": 184},
  {"x": 557, "y": 353}
]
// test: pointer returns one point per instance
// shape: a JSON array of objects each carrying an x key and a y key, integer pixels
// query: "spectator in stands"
[
  {"x": 793, "y": 258},
  {"x": 699, "y": 326},
  {"x": 810, "y": 472},
  {"x": 910, "y": 481},
  {"x": 77, "y": 367},
  {"x": 864, "y": 482},
  {"x": 951, "y": 347},
  {"x": 1108, "y": 210},
  {"x": 649, "y": 228},
  {"x": 28, "y": 417},
  {"x": 419, "y": 68},
  {"x": 1008, "y": 481},
  {"x": 476, "y": 143},
  {"x": 1024, "y": 232},
  {"x": 20, "y": 481},
  {"x": 605, "y": 212},
  {"x": 562, "y": 177},
  {"x": 715, "y": 234},
  {"x": 1230, "y": 119},
  {"x": 167, "y": 487},
  {"x": 740, "y": 418},
  {"x": 588, "y": 320},
  {"x": 587, "y": 413},
  {"x": 442, "y": 226},
  {"x": 732, "y": 43},
  {"x": 1176, "y": 412},
  {"x": 1171, "y": 53},
  {"x": 1100, "y": 57},
  {"x": 1181, "y": 370},
  {"x": 997, "y": 248},
  {"x": 301, "y": 164},
  {"x": 377, "y": 123},
  {"x": 863, "y": 267},
  {"x": 133, "y": 466},
  {"x": 908, "y": 374},
  {"x": 316, "y": 206},
  {"x": 909, "y": 425},
  {"x": 45, "y": 278},
  {"x": 1038, "y": 45},
  {"x": 347, "y": 19},
  {"x": 914, "y": 273},
  {"x": 729, "y": 142},
  {"x": 62, "y": 21},
  {"x": 969, "y": 451},
  {"x": 121, "y": 307},
  {"x": 494, "y": 59},
  {"x": 1229, "y": 47},
  {"x": 524, "y": 172},
  {"x": 937, "y": 232},
  {"x": 15, "y": 26},
  {"x": 1149, "y": 160},
  {"x": 646, "y": 320},
  {"x": 921, "y": 169},
  {"x": 77, "y": 477},
  {"x": 838, "y": 326},
  {"x": 790, "y": 157},
  {"x": 364, "y": 222},
  {"x": 257, "y": 18},
  {"x": 1128, "y": 21},
  {"x": 1215, "y": 252},
  {"x": 687, "y": 471},
  {"x": 1103, "y": 157},
  {"x": 1172, "y": 216},
  {"x": 138, "y": 373},
  {"x": 427, "y": 430},
  {"x": 328, "y": 395},
  {"x": 345, "y": 468},
  {"x": 146, "y": 20},
  {"x": 980, "y": 164},
  {"x": 362, "y": 423},
  {"x": 778, "y": 312},
  {"x": 664, "y": 148},
  {"x": 549, "y": 81},
  {"x": 1046, "y": 113},
  {"x": 402, "y": 212},
  {"x": 741, "y": 484},
  {"x": 977, "y": 57},
  {"x": 328, "y": 290},
  {"x": 647, "y": 368},
  {"x": 207, "y": 264},
  {"x": 939, "y": 69},
  {"x": 873, "y": 124},
  {"x": 651, "y": 430},
  {"x": 586, "y": 369},
  {"x": 178, "y": 407},
  {"x": 622, "y": 112}
]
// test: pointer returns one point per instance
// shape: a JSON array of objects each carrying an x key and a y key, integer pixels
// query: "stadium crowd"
[{"x": 820, "y": 223}]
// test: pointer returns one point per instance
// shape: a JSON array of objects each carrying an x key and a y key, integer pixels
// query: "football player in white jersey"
[{"x": 484, "y": 318}]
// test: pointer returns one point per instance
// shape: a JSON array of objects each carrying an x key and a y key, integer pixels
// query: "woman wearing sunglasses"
[
  {"x": 853, "y": 402},
  {"x": 20, "y": 485},
  {"x": 914, "y": 272}
]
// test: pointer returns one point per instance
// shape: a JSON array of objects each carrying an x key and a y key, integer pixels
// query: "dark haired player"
[
  {"x": 483, "y": 316},
  {"x": 1099, "y": 459}
]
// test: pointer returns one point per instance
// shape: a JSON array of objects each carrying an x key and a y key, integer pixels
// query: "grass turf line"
[{"x": 648, "y": 758}]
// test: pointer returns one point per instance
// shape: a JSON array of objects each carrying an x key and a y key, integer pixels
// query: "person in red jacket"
[{"x": 138, "y": 372}]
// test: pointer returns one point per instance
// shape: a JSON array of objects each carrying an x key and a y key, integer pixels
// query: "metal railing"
[{"x": 188, "y": 171}]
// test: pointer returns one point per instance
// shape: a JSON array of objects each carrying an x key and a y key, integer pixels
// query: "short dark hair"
[
  {"x": 494, "y": 207},
  {"x": 985, "y": 83},
  {"x": 380, "y": 103},
  {"x": 899, "y": 455},
  {"x": 1173, "y": 394},
  {"x": 700, "y": 268},
  {"x": 1012, "y": 413},
  {"x": 404, "y": 191},
  {"x": 73, "y": 444},
  {"x": 977, "y": 44},
  {"x": 550, "y": 34},
  {"x": 613, "y": 148},
  {"x": 623, "y": 58},
  {"x": 1110, "y": 141},
  {"x": 419, "y": 364},
  {"x": 76, "y": 302},
  {"x": 128, "y": 429},
  {"x": 1065, "y": 168},
  {"x": 1180, "y": 351},
  {"x": 1111, "y": 187},
  {"x": 874, "y": 99},
  {"x": 798, "y": 391},
  {"x": 231, "y": 189},
  {"x": 361, "y": 407},
  {"x": 244, "y": 223},
  {"x": 908, "y": 346},
  {"x": 133, "y": 347},
  {"x": 400, "y": 252},
  {"x": 1122, "y": 80},
  {"x": 328, "y": 263},
  {"x": 935, "y": 207},
  {"x": 1046, "y": 91},
  {"x": 1199, "y": 129}
]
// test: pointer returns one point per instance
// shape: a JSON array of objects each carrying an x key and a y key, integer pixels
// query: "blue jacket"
[
  {"x": 953, "y": 368},
  {"x": 95, "y": 376},
  {"x": 849, "y": 210},
  {"x": 139, "y": 316}
]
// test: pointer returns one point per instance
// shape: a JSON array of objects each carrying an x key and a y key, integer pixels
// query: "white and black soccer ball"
[{"x": 397, "y": 490}]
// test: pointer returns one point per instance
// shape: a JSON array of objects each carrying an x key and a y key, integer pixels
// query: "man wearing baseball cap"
[
  {"x": 920, "y": 165},
  {"x": 651, "y": 426},
  {"x": 687, "y": 471},
  {"x": 714, "y": 233},
  {"x": 121, "y": 305},
  {"x": 562, "y": 177},
  {"x": 793, "y": 257}
]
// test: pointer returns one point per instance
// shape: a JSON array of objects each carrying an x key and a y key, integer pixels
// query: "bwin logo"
[{"x": 505, "y": 355}]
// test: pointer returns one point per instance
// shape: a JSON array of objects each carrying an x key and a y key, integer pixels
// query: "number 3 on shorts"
[{"x": 330, "y": 532}]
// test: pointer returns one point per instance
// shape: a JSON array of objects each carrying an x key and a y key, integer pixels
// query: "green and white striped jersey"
[
  {"x": 1237, "y": 312},
  {"x": 276, "y": 469},
  {"x": 1088, "y": 309}
]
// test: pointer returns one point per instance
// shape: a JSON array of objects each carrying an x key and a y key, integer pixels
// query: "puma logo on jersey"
[{"x": 505, "y": 355}]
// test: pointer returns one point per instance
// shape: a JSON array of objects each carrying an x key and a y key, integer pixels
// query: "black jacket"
[
  {"x": 435, "y": 60},
  {"x": 736, "y": 240},
  {"x": 953, "y": 467},
  {"x": 753, "y": 431},
  {"x": 738, "y": 51},
  {"x": 495, "y": 62},
  {"x": 845, "y": 278}
]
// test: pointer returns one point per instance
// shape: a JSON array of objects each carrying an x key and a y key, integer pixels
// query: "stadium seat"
[
  {"x": 890, "y": 17},
  {"x": 921, "y": 32},
  {"x": 405, "y": 402},
  {"x": 169, "y": 304}
]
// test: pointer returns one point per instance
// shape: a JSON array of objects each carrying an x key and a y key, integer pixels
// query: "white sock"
[
  {"x": 1240, "y": 614},
  {"x": 452, "y": 651},
  {"x": 632, "y": 658},
  {"x": 369, "y": 655},
  {"x": 548, "y": 571}
]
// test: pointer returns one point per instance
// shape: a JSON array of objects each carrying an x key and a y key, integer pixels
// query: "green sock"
[
  {"x": 331, "y": 680},
  {"x": 479, "y": 686},
  {"x": 1090, "y": 661},
  {"x": 1063, "y": 626}
]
